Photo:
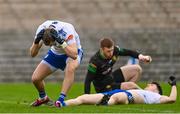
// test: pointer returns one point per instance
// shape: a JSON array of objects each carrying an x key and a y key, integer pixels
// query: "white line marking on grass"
[
  {"x": 144, "y": 111},
  {"x": 24, "y": 103},
  {"x": 151, "y": 110},
  {"x": 14, "y": 102}
]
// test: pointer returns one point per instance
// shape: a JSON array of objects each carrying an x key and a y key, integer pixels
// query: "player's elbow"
[
  {"x": 71, "y": 52},
  {"x": 173, "y": 100},
  {"x": 170, "y": 102},
  {"x": 74, "y": 55},
  {"x": 32, "y": 53}
]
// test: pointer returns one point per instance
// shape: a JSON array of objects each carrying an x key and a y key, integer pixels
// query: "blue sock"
[
  {"x": 42, "y": 94},
  {"x": 61, "y": 99}
]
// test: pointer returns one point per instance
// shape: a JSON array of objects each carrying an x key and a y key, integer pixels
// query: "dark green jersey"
[{"x": 100, "y": 68}]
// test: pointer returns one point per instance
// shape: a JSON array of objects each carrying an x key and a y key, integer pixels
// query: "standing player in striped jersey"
[{"x": 65, "y": 54}]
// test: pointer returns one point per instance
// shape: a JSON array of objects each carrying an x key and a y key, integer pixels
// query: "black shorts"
[
  {"x": 109, "y": 87},
  {"x": 118, "y": 76}
]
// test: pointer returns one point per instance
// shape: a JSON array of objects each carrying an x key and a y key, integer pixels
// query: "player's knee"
[
  {"x": 35, "y": 78},
  {"x": 114, "y": 97},
  {"x": 120, "y": 98},
  {"x": 113, "y": 100},
  {"x": 82, "y": 98},
  {"x": 127, "y": 85},
  {"x": 71, "y": 68}
]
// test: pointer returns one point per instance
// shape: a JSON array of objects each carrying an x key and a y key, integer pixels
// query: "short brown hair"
[
  {"x": 47, "y": 36},
  {"x": 158, "y": 87},
  {"x": 106, "y": 42}
]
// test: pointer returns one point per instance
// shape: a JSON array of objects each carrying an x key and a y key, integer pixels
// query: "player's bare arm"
[
  {"x": 173, "y": 95},
  {"x": 134, "y": 54},
  {"x": 71, "y": 50},
  {"x": 37, "y": 43},
  {"x": 34, "y": 49},
  {"x": 171, "y": 98}
]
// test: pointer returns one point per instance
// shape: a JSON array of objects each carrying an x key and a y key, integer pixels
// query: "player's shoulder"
[
  {"x": 43, "y": 25},
  {"x": 117, "y": 49},
  {"x": 95, "y": 55},
  {"x": 47, "y": 22},
  {"x": 95, "y": 58},
  {"x": 56, "y": 22},
  {"x": 67, "y": 24},
  {"x": 52, "y": 22}
]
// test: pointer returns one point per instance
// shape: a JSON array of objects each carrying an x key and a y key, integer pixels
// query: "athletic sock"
[
  {"x": 42, "y": 94},
  {"x": 62, "y": 96}
]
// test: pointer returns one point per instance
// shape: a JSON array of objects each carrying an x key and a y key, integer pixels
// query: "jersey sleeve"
[
  {"x": 87, "y": 84},
  {"x": 70, "y": 36},
  {"x": 91, "y": 74},
  {"x": 126, "y": 52},
  {"x": 92, "y": 68}
]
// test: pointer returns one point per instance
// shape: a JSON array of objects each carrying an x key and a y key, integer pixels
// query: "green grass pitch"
[{"x": 15, "y": 98}]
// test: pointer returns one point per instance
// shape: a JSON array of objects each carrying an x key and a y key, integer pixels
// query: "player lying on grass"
[{"x": 151, "y": 94}]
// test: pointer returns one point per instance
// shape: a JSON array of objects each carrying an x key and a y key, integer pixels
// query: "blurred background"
[{"x": 149, "y": 26}]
